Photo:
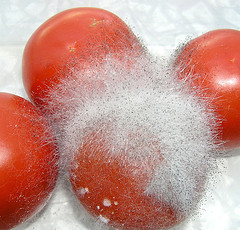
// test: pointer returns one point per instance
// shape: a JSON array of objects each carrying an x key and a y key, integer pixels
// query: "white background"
[{"x": 162, "y": 25}]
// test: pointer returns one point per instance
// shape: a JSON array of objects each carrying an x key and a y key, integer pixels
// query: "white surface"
[{"x": 162, "y": 25}]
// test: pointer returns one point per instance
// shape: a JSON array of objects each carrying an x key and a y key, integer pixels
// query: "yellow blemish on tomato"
[
  {"x": 73, "y": 48},
  {"x": 233, "y": 60},
  {"x": 95, "y": 22}
]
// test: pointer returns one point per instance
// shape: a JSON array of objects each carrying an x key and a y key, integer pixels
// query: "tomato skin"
[
  {"x": 28, "y": 161},
  {"x": 76, "y": 38},
  {"x": 214, "y": 59}
]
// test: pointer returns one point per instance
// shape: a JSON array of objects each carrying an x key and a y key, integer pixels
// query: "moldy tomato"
[
  {"x": 74, "y": 39},
  {"x": 211, "y": 63},
  {"x": 28, "y": 160},
  {"x": 113, "y": 188}
]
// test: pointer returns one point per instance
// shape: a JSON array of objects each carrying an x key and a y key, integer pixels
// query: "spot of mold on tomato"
[
  {"x": 103, "y": 219},
  {"x": 107, "y": 203}
]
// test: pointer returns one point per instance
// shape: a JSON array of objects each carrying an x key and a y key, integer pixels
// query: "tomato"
[
  {"x": 113, "y": 189},
  {"x": 74, "y": 40},
  {"x": 211, "y": 64},
  {"x": 28, "y": 160}
]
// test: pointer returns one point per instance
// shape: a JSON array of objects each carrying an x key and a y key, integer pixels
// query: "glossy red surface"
[
  {"x": 73, "y": 40},
  {"x": 214, "y": 61},
  {"x": 28, "y": 161}
]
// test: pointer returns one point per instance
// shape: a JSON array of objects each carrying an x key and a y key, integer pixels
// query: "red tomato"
[
  {"x": 28, "y": 160},
  {"x": 214, "y": 61},
  {"x": 114, "y": 189},
  {"x": 78, "y": 39}
]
